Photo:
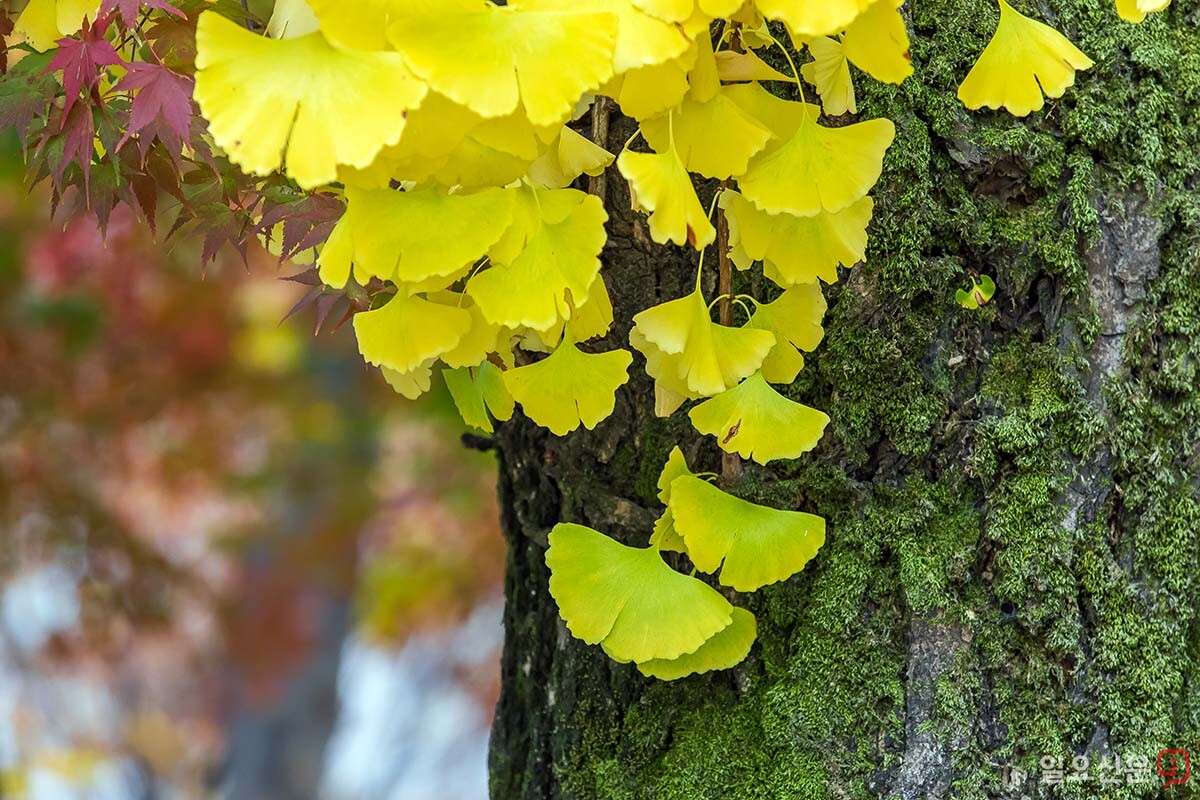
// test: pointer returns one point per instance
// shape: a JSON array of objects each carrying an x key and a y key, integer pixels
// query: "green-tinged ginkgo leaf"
[
  {"x": 415, "y": 235},
  {"x": 670, "y": 390},
  {"x": 271, "y": 102},
  {"x": 980, "y": 294},
  {"x": 1024, "y": 59},
  {"x": 724, "y": 650},
  {"x": 734, "y": 67},
  {"x": 409, "y": 331},
  {"x": 877, "y": 42},
  {"x": 710, "y": 357},
  {"x": 566, "y": 159},
  {"x": 1136, "y": 10},
  {"x": 569, "y": 387},
  {"x": 795, "y": 319},
  {"x": 291, "y": 19},
  {"x": 411, "y": 384},
  {"x": 627, "y": 599},
  {"x": 819, "y": 168},
  {"x": 554, "y": 271},
  {"x": 665, "y": 537},
  {"x": 757, "y": 422},
  {"x": 660, "y": 185},
  {"x": 715, "y": 138},
  {"x": 494, "y": 59},
  {"x": 796, "y": 249},
  {"x": 808, "y": 18},
  {"x": 642, "y": 39},
  {"x": 829, "y": 71},
  {"x": 479, "y": 394},
  {"x": 682, "y": 10},
  {"x": 758, "y": 545},
  {"x": 44, "y": 22}
]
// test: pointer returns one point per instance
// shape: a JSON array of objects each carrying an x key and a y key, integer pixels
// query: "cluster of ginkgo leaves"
[{"x": 448, "y": 129}]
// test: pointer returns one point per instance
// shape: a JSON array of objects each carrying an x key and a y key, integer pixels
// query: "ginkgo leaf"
[
  {"x": 271, "y": 101},
  {"x": 555, "y": 270},
  {"x": 291, "y": 19},
  {"x": 665, "y": 537},
  {"x": 752, "y": 545},
  {"x": 44, "y": 22},
  {"x": 360, "y": 25},
  {"x": 480, "y": 340},
  {"x": 642, "y": 39},
  {"x": 819, "y": 168},
  {"x": 682, "y": 10},
  {"x": 781, "y": 117},
  {"x": 415, "y": 235},
  {"x": 809, "y": 18},
  {"x": 627, "y": 599},
  {"x": 569, "y": 387},
  {"x": 594, "y": 318},
  {"x": 646, "y": 92},
  {"x": 1024, "y": 59},
  {"x": 1136, "y": 10},
  {"x": 715, "y": 138},
  {"x": 724, "y": 650},
  {"x": 877, "y": 42},
  {"x": 670, "y": 390},
  {"x": 758, "y": 423},
  {"x": 479, "y": 394},
  {"x": 733, "y": 67},
  {"x": 411, "y": 384},
  {"x": 711, "y": 357},
  {"x": 409, "y": 331},
  {"x": 568, "y": 158},
  {"x": 796, "y": 249},
  {"x": 660, "y": 185},
  {"x": 829, "y": 71},
  {"x": 492, "y": 59},
  {"x": 795, "y": 319}
]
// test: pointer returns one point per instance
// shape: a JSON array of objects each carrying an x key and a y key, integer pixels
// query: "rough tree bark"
[{"x": 1011, "y": 565}]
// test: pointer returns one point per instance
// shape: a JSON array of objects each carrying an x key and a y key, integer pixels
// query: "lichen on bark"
[{"x": 1011, "y": 569}]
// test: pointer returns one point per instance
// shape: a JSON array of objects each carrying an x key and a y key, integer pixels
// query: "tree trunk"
[{"x": 1010, "y": 571}]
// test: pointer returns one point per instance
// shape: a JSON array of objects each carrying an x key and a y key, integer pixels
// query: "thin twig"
[
  {"x": 598, "y": 184},
  {"x": 731, "y": 463}
]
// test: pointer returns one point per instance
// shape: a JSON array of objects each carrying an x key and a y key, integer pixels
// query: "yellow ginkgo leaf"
[
  {"x": 44, "y": 22},
  {"x": 1136, "y": 10},
  {"x": 411, "y": 384},
  {"x": 819, "y": 168},
  {"x": 479, "y": 394},
  {"x": 291, "y": 19},
  {"x": 555, "y": 270},
  {"x": 808, "y": 18},
  {"x": 734, "y": 67},
  {"x": 758, "y": 423},
  {"x": 796, "y": 249},
  {"x": 758, "y": 545},
  {"x": 877, "y": 42},
  {"x": 646, "y": 92},
  {"x": 569, "y": 387},
  {"x": 628, "y": 600},
  {"x": 409, "y": 331},
  {"x": 682, "y": 10},
  {"x": 361, "y": 25},
  {"x": 492, "y": 59},
  {"x": 594, "y": 318},
  {"x": 670, "y": 391},
  {"x": 271, "y": 101},
  {"x": 481, "y": 339},
  {"x": 724, "y": 650},
  {"x": 715, "y": 138},
  {"x": 829, "y": 71},
  {"x": 660, "y": 185},
  {"x": 665, "y": 537},
  {"x": 795, "y": 319},
  {"x": 781, "y": 117},
  {"x": 642, "y": 39},
  {"x": 566, "y": 159},
  {"x": 709, "y": 358},
  {"x": 1024, "y": 59},
  {"x": 415, "y": 235}
]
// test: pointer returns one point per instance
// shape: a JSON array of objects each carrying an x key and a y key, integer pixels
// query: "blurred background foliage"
[{"x": 233, "y": 563}]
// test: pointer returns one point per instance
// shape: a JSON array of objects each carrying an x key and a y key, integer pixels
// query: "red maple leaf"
[
  {"x": 161, "y": 108},
  {"x": 6, "y": 27},
  {"x": 83, "y": 60},
  {"x": 78, "y": 134},
  {"x": 129, "y": 9}
]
